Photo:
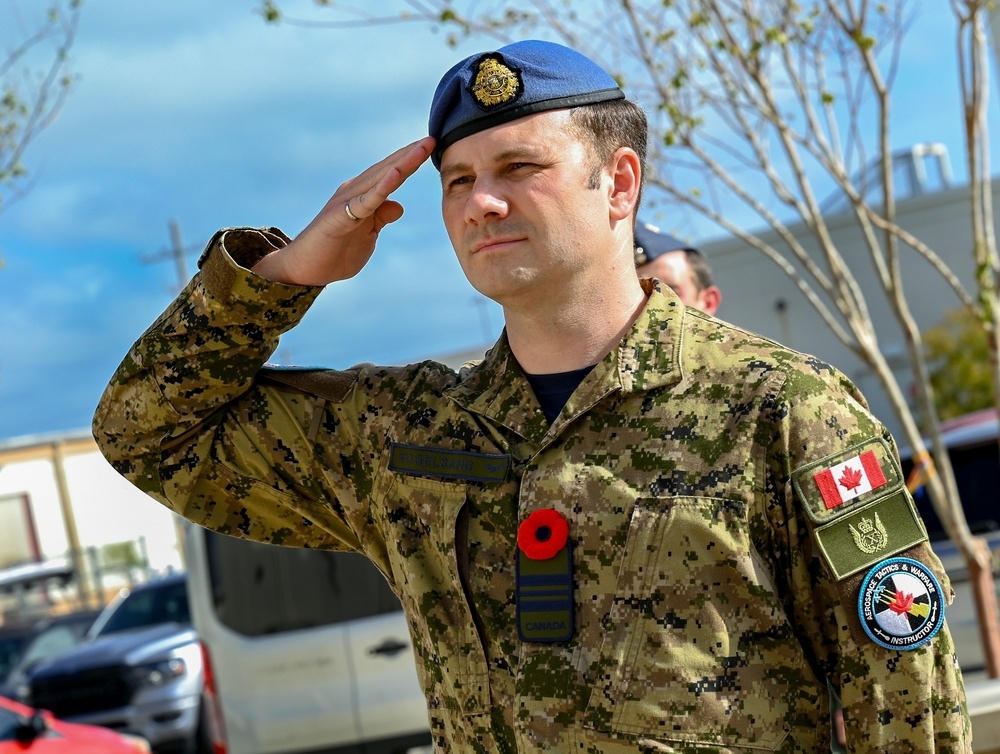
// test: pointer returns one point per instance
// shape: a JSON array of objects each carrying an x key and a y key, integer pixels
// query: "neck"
[{"x": 574, "y": 332}]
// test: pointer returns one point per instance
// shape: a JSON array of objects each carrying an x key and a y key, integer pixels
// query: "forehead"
[
  {"x": 540, "y": 133},
  {"x": 673, "y": 267}
]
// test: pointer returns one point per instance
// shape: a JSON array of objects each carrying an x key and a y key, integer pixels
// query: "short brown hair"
[
  {"x": 609, "y": 126},
  {"x": 700, "y": 270}
]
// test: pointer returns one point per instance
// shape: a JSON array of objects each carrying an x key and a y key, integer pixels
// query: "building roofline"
[
  {"x": 726, "y": 243},
  {"x": 33, "y": 447}
]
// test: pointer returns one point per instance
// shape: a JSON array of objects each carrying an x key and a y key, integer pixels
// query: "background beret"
[
  {"x": 651, "y": 243},
  {"x": 531, "y": 76}
]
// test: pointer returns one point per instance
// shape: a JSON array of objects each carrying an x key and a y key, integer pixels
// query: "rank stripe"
[
  {"x": 544, "y": 579},
  {"x": 544, "y": 606},
  {"x": 536, "y": 592}
]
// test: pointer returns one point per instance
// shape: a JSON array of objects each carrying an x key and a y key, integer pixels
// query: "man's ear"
[
  {"x": 626, "y": 178},
  {"x": 709, "y": 299}
]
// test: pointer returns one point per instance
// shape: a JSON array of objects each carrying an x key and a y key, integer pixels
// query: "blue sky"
[{"x": 204, "y": 114}]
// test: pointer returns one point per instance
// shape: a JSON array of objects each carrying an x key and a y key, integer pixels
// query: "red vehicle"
[{"x": 24, "y": 730}]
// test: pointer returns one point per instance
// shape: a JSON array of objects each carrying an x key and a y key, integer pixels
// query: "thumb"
[{"x": 388, "y": 212}]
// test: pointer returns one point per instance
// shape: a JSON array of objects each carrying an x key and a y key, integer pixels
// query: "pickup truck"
[{"x": 139, "y": 671}]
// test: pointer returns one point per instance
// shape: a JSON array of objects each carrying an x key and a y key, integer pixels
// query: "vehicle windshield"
[
  {"x": 11, "y": 647},
  {"x": 51, "y": 642},
  {"x": 149, "y": 606}
]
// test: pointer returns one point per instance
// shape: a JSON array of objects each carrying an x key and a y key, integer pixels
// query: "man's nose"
[{"x": 485, "y": 202}]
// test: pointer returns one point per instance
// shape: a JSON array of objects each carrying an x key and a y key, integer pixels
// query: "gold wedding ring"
[{"x": 347, "y": 208}]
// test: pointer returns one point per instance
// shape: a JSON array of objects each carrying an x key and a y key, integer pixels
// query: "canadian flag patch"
[{"x": 849, "y": 479}]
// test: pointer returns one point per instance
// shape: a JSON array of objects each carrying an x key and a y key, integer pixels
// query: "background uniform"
[{"x": 715, "y": 591}]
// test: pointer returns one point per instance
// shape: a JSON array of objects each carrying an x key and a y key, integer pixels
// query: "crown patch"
[{"x": 870, "y": 537}]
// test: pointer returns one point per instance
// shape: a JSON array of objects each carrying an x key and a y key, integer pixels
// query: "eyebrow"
[{"x": 453, "y": 170}]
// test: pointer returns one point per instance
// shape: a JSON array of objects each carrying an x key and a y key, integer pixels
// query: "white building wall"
[
  {"x": 753, "y": 286},
  {"x": 106, "y": 508}
]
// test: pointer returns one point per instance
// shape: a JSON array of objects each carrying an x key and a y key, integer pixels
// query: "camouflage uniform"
[{"x": 707, "y": 620}]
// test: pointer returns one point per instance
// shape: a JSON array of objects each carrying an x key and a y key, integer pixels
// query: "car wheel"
[
  {"x": 200, "y": 740},
  {"x": 203, "y": 735}
]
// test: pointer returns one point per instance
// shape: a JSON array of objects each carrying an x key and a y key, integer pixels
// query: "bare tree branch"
[
  {"x": 32, "y": 98},
  {"x": 755, "y": 107}
]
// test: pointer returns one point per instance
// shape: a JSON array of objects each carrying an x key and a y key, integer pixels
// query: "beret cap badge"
[{"x": 495, "y": 83}]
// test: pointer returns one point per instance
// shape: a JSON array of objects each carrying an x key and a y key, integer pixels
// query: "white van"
[{"x": 305, "y": 651}]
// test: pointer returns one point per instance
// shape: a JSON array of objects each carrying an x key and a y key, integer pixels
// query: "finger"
[
  {"x": 379, "y": 195},
  {"x": 369, "y": 177},
  {"x": 371, "y": 188},
  {"x": 406, "y": 166}
]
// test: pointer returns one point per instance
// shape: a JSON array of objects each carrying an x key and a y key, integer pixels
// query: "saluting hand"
[{"x": 340, "y": 240}]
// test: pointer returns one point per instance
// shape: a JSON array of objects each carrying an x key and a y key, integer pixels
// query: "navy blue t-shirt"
[{"x": 553, "y": 390}]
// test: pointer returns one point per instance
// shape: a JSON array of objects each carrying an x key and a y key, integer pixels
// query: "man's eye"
[{"x": 461, "y": 180}]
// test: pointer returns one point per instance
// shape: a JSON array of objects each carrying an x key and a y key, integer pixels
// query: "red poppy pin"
[{"x": 542, "y": 534}]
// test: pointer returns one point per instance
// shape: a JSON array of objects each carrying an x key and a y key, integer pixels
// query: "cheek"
[{"x": 451, "y": 213}]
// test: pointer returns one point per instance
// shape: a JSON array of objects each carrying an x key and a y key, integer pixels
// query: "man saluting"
[{"x": 616, "y": 532}]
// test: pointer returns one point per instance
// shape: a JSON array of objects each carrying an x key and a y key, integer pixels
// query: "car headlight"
[{"x": 159, "y": 673}]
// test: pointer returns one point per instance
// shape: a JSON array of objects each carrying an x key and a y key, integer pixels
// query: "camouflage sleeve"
[
  {"x": 187, "y": 419},
  {"x": 894, "y": 700}
]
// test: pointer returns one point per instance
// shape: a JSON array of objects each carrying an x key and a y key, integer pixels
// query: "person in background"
[{"x": 681, "y": 266}]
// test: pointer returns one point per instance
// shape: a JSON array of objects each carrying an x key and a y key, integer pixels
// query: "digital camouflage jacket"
[{"x": 715, "y": 590}]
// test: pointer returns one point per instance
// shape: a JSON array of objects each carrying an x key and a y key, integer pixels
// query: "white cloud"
[{"x": 195, "y": 112}]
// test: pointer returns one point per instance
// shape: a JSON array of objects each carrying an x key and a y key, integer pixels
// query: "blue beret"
[
  {"x": 651, "y": 243},
  {"x": 523, "y": 78}
]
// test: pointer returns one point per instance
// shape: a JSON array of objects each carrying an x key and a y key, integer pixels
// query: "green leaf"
[
  {"x": 271, "y": 12},
  {"x": 957, "y": 350}
]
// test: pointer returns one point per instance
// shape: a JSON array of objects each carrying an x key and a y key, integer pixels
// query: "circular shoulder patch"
[{"x": 900, "y": 604}]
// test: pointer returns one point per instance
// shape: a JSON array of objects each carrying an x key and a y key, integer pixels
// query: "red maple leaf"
[
  {"x": 902, "y": 603},
  {"x": 850, "y": 479}
]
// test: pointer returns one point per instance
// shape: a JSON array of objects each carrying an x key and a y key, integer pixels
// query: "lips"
[{"x": 492, "y": 243}]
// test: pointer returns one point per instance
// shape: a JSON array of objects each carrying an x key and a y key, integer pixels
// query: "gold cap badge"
[{"x": 495, "y": 83}]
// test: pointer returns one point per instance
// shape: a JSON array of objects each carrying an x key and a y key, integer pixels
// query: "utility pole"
[
  {"x": 177, "y": 252},
  {"x": 69, "y": 521}
]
